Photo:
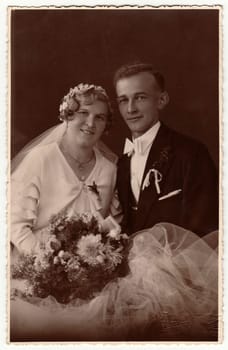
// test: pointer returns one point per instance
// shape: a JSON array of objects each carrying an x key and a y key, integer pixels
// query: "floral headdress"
[{"x": 71, "y": 102}]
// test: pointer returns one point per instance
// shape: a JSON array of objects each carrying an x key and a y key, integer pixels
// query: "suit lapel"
[{"x": 159, "y": 158}]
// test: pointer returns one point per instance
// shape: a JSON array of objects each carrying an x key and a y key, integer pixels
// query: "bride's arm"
[
  {"x": 25, "y": 194},
  {"x": 116, "y": 209}
]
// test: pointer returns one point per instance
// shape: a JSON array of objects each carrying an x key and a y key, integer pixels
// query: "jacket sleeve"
[{"x": 200, "y": 193}]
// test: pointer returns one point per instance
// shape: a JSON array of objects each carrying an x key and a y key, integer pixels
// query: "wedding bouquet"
[{"x": 80, "y": 257}]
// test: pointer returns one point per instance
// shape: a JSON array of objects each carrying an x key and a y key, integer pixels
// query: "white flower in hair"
[
  {"x": 63, "y": 106},
  {"x": 70, "y": 102}
]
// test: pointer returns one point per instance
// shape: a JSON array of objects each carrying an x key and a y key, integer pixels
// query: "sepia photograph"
[{"x": 115, "y": 174}]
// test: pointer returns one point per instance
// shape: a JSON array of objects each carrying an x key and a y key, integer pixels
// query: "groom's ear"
[{"x": 163, "y": 100}]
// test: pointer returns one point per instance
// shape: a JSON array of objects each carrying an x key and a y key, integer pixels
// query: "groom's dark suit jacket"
[{"x": 185, "y": 165}]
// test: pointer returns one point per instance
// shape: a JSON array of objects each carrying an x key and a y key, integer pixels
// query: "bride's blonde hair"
[{"x": 85, "y": 93}]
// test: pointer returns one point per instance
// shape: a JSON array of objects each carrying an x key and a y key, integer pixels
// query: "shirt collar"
[{"x": 142, "y": 143}]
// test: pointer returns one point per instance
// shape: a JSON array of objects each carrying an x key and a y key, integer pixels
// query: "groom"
[{"x": 163, "y": 176}]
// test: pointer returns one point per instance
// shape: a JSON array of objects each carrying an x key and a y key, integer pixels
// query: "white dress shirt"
[{"x": 142, "y": 146}]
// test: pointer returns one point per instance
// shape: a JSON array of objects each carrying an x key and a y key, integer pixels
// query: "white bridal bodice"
[{"x": 44, "y": 184}]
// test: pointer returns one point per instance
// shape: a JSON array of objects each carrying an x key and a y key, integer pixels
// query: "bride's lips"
[{"x": 88, "y": 132}]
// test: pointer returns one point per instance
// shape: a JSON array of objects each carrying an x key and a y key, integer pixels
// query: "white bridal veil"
[{"x": 55, "y": 134}]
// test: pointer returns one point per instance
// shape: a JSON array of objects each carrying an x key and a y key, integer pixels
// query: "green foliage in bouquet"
[{"x": 77, "y": 261}]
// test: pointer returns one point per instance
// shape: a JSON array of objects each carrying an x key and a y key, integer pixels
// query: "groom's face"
[{"x": 139, "y": 100}]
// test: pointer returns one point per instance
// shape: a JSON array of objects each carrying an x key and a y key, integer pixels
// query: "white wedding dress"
[
  {"x": 169, "y": 293},
  {"x": 44, "y": 184}
]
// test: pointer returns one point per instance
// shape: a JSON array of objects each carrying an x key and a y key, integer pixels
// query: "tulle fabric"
[
  {"x": 55, "y": 134},
  {"x": 169, "y": 293}
]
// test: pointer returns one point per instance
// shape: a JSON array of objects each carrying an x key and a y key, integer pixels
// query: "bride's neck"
[{"x": 77, "y": 151}]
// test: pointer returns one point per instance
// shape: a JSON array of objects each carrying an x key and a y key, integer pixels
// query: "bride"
[
  {"x": 55, "y": 171},
  {"x": 170, "y": 290}
]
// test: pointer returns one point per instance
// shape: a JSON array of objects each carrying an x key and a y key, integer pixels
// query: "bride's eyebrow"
[{"x": 83, "y": 108}]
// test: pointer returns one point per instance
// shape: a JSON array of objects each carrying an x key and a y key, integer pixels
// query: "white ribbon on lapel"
[{"x": 157, "y": 179}]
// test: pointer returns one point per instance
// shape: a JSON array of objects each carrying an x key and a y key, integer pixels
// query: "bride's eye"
[
  {"x": 101, "y": 117},
  {"x": 83, "y": 113}
]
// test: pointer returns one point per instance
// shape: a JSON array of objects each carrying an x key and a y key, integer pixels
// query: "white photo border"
[{"x": 4, "y": 147}]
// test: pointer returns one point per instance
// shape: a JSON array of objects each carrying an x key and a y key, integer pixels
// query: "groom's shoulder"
[{"x": 182, "y": 143}]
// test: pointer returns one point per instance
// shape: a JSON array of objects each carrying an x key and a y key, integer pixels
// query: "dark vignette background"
[{"x": 53, "y": 50}]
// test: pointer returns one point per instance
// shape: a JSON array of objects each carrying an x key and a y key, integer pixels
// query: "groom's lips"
[{"x": 134, "y": 118}]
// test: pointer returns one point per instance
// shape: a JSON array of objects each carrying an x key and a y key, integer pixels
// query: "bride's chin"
[
  {"x": 84, "y": 140},
  {"x": 86, "y": 144}
]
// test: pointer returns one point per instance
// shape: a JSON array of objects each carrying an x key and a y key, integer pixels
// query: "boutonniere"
[
  {"x": 93, "y": 188},
  {"x": 163, "y": 158},
  {"x": 155, "y": 172}
]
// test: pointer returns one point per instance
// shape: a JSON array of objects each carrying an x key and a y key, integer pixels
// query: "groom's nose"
[{"x": 131, "y": 107}]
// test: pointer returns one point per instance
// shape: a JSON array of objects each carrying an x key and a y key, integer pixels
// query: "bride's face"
[{"x": 89, "y": 123}]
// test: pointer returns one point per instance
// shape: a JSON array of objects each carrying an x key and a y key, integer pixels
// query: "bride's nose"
[{"x": 90, "y": 120}]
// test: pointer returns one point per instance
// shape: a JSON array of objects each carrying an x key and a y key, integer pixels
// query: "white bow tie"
[{"x": 131, "y": 147}]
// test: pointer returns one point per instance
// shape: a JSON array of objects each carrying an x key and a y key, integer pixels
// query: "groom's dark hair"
[{"x": 127, "y": 70}]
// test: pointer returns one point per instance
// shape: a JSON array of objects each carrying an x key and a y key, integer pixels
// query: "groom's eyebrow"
[
  {"x": 121, "y": 96},
  {"x": 135, "y": 94},
  {"x": 140, "y": 93}
]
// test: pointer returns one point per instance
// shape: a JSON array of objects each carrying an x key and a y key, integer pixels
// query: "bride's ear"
[
  {"x": 163, "y": 100},
  {"x": 70, "y": 117}
]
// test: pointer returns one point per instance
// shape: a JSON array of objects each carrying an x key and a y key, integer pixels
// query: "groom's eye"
[
  {"x": 122, "y": 100},
  {"x": 140, "y": 97}
]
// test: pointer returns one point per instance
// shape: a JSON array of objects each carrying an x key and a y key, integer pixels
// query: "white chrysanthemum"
[{"x": 89, "y": 248}]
